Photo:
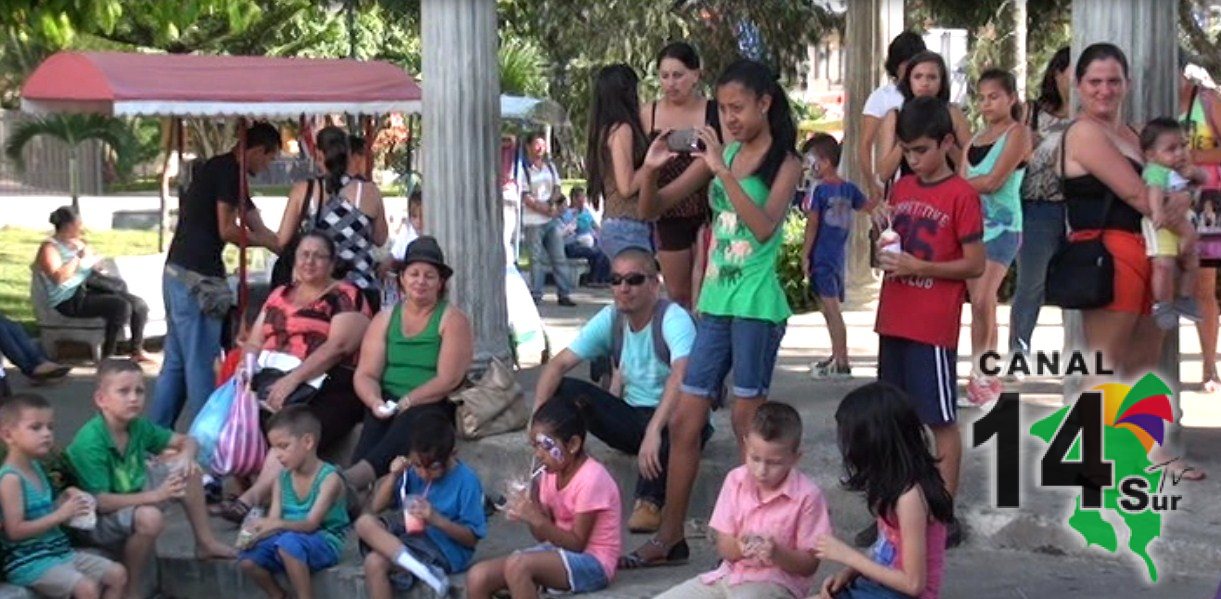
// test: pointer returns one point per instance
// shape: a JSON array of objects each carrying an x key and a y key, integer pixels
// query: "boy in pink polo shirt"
[{"x": 766, "y": 518}]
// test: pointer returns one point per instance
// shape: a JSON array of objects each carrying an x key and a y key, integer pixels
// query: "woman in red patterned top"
[{"x": 306, "y": 341}]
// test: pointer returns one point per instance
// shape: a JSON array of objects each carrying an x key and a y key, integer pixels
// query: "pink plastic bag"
[{"x": 241, "y": 449}]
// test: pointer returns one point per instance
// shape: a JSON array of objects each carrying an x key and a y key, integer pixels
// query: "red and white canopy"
[{"x": 124, "y": 84}]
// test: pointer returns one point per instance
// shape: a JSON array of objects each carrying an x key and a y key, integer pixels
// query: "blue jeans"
[
  {"x": 599, "y": 264},
  {"x": 547, "y": 253},
  {"x": 1042, "y": 237},
  {"x": 192, "y": 344},
  {"x": 17, "y": 347}
]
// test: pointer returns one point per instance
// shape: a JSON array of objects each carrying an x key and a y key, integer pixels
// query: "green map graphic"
[{"x": 1121, "y": 447}]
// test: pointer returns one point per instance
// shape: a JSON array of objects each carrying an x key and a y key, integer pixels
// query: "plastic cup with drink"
[
  {"x": 414, "y": 524},
  {"x": 87, "y": 521},
  {"x": 245, "y": 534}
]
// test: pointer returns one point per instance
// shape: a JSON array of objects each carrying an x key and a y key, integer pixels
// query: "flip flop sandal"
[
  {"x": 677, "y": 555},
  {"x": 233, "y": 510}
]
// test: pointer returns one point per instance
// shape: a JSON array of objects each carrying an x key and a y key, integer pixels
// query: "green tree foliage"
[
  {"x": 633, "y": 31},
  {"x": 73, "y": 130}
]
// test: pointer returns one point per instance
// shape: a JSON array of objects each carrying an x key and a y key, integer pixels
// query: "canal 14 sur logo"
[{"x": 1101, "y": 445}]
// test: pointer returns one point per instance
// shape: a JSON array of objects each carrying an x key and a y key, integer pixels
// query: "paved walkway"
[{"x": 1011, "y": 553}]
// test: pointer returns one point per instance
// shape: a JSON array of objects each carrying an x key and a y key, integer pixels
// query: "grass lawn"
[{"x": 17, "y": 248}]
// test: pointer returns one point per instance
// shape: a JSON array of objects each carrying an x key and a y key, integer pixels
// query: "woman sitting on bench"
[{"x": 76, "y": 290}]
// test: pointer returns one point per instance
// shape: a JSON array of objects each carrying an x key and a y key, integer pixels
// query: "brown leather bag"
[{"x": 492, "y": 405}]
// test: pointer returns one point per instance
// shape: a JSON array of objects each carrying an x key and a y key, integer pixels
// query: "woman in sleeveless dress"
[
  {"x": 994, "y": 164},
  {"x": 682, "y": 200},
  {"x": 346, "y": 209},
  {"x": 614, "y": 150},
  {"x": 1200, "y": 112}
]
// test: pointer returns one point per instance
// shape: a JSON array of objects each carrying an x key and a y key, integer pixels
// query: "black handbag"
[
  {"x": 104, "y": 283},
  {"x": 1081, "y": 276},
  {"x": 263, "y": 380},
  {"x": 282, "y": 272}
]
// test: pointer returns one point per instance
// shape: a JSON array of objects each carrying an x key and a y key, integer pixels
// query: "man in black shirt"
[{"x": 194, "y": 273}]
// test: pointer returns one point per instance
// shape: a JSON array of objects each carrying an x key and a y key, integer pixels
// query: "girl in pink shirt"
[
  {"x": 575, "y": 518},
  {"x": 886, "y": 456}
]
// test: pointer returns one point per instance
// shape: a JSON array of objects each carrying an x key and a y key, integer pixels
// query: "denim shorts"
[
  {"x": 827, "y": 281},
  {"x": 748, "y": 346},
  {"x": 619, "y": 234},
  {"x": 585, "y": 574},
  {"x": 1003, "y": 248},
  {"x": 311, "y": 549}
]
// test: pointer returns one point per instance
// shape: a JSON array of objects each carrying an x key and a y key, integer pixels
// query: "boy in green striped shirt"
[{"x": 37, "y": 555}]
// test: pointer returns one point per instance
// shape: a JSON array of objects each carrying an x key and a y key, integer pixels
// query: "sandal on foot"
[
  {"x": 677, "y": 555},
  {"x": 234, "y": 510}
]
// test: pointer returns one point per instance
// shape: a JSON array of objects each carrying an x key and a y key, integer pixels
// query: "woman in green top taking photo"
[{"x": 741, "y": 304}]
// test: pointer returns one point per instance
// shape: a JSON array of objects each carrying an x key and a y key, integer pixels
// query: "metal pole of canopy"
[
  {"x": 368, "y": 131},
  {"x": 243, "y": 290}
]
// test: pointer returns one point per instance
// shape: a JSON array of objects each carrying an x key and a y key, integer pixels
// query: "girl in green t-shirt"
[{"x": 742, "y": 306}]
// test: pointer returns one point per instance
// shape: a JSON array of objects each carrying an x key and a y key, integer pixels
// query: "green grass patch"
[{"x": 17, "y": 254}]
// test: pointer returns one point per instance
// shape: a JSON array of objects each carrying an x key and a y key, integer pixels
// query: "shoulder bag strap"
[
  {"x": 661, "y": 349},
  {"x": 617, "y": 322}
]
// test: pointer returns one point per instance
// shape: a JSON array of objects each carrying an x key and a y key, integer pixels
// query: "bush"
[{"x": 788, "y": 265}]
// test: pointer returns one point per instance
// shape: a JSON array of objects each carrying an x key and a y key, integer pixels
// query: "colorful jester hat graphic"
[{"x": 1143, "y": 408}]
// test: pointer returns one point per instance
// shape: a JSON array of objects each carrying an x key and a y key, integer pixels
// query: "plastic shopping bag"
[
  {"x": 241, "y": 449},
  {"x": 211, "y": 419}
]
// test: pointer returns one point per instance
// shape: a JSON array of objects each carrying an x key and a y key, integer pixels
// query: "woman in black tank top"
[
  {"x": 681, "y": 206},
  {"x": 1106, "y": 196}
]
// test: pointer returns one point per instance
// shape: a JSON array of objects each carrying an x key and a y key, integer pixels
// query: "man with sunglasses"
[{"x": 647, "y": 340}]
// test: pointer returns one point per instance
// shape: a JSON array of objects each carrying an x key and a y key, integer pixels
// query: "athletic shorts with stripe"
[{"x": 926, "y": 372}]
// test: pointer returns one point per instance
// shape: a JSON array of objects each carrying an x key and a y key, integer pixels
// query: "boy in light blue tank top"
[
  {"x": 305, "y": 528},
  {"x": 36, "y": 551}
]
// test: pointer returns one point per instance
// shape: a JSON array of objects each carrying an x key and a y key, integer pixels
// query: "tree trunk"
[
  {"x": 1019, "y": 47},
  {"x": 74, "y": 178},
  {"x": 461, "y": 142},
  {"x": 870, "y": 26}
]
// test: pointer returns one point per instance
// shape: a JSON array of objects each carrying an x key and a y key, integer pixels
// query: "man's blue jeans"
[
  {"x": 547, "y": 254},
  {"x": 1042, "y": 237},
  {"x": 18, "y": 348},
  {"x": 599, "y": 264},
  {"x": 192, "y": 344}
]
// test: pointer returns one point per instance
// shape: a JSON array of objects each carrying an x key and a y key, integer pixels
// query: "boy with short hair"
[
  {"x": 37, "y": 555},
  {"x": 937, "y": 216},
  {"x": 828, "y": 206},
  {"x": 767, "y": 518},
  {"x": 108, "y": 455},
  {"x": 305, "y": 527},
  {"x": 1172, "y": 251},
  {"x": 447, "y": 504}
]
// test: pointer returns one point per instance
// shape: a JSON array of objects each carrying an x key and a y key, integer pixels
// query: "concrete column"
[
  {"x": 461, "y": 129},
  {"x": 1147, "y": 31}
]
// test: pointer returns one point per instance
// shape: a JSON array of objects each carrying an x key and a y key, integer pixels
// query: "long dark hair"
[
  {"x": 615, "y": 102},
  {"x": 885, "y": 451},
  {"x": 1007, "y": 82},
  {"x": 905, "y": 83},
  {"x": 1049, "y": 94},
  {"x": 333, "y": 143},
  {"x": 759, "y": 79},
  {"x": 563, "y": 417}
]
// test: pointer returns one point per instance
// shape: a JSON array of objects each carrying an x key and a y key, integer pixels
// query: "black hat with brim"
[{"x": 426, "y": 249}]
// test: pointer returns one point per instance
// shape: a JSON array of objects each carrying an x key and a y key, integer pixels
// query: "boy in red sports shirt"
[{"x": 937, "y": 216}]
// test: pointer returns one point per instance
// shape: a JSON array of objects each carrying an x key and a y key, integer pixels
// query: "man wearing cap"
[
  {"x": 647, "y": 340},
  {"x": 414, "y": 354}
]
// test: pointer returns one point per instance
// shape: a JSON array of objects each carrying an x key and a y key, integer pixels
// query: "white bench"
[{"x": 143, "y": 277}]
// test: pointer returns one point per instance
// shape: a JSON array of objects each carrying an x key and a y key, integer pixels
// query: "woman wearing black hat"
[{"x": 413, "y": 355}]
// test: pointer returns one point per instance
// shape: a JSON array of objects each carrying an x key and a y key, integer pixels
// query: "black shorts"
[
  {"x": 679, "y": 233},
  {"x": 926, "y": 372}
]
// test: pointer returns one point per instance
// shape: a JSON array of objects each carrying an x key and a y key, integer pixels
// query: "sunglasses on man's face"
[{"x": 634, "y": 279}]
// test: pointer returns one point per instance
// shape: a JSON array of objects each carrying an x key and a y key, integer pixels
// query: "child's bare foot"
[{"x": 214, "y": 550}]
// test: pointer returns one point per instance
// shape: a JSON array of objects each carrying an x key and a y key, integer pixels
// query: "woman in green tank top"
[
  {"x": 413, "y": 356},
  {"x": 742, "y": 305}
]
